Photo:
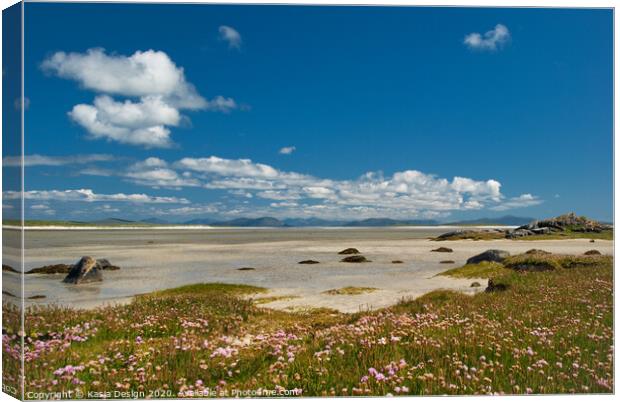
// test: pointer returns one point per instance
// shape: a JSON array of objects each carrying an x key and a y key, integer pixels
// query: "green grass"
[
  {"x": 484, "y": 269},
  {"x": 555, "y": 261},
  {"x": 349, "y": 290},
  {"x": 604, "y": 235},
  {"x": 202, "y": 289},
  {"x": 271, "y": 299},
  {"x": 550, "y": 332}
]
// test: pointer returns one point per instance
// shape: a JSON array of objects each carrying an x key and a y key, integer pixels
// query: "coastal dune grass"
[
  {"x": 485, "y": 269},
  {"x": 549, "y": 332}
]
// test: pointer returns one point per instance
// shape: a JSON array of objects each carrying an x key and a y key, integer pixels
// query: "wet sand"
[{"x": 156, "y": 260}]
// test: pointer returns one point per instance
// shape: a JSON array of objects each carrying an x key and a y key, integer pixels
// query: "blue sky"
[{"x": 182, "y": 111}]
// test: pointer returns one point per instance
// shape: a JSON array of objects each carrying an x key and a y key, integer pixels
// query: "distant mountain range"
[
  {"x": 310, "y": 222},
  {"x": 371, "y": 222},
  {"x": 507, "y": 220}
]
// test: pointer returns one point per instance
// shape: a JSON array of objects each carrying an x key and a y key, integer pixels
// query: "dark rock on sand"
[
  {"x": 349, "y": 251},
  {"x": 102, "y": 264},
  {"x": 105, "y": 265},
  {"x": 246, "y": 269},
  {"x": 592, "y": 252},
  {"x": 537, "y": 251},
  {"x": 489, "y": 255},
  {"x": 446, "y": 262},
  {"x": 355, "y": 258},
  {"x": 475, "y": 285},
  {"x": 443, "y": 250},
  {"x": 8, "y": 268},
  {"x": 495, "y": 287},
  {"x": 51, "y": 269},
  {"x": 591, "y": 240},
  {"x": 86, "y": 270},
  {"x": 36, "y": 297},
  {"x": 308, "y": 262},
  {"x": 397, "y": 262},
  {"x": 4, "y": 292}
]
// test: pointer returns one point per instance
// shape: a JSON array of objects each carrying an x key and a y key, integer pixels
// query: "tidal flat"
[{"x": 179, "y": 319}]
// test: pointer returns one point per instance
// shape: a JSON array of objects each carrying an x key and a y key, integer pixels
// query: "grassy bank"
[{"x": 550, "y": 332}]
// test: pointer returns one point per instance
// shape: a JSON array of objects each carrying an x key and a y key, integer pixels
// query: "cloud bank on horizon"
[{"x": 408, "y": 193}]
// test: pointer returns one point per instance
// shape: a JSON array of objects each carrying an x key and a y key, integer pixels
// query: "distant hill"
[
  {"x": 507, "y": 220},
  {"x": 112, "y": 221},
  {"x": 268, "y": 221},
  {"x": 252, "y": 222},
  {"x": 198, "y": 221},
  {"x": 155, "y": 221},
  {"x": 306, "y": 222}
]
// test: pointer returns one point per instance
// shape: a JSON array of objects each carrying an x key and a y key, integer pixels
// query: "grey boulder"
[{"x": 86, "y": 270}]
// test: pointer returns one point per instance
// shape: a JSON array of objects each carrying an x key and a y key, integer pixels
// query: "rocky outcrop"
[
  {"x": 442, "y": 250},
  {"x": 355, "y": 258},
  {"x": 308, "y": 262},
  {"x": 102, "y": 264},
  {"x": 350, "y": 250},
  {"x": 8, "y": 268},
  {"x": 568, "y": 222},
  {"x": 86, "y": 270},
  {"x": 51, "y": 269},
  {"x": 489, "y": 255}
]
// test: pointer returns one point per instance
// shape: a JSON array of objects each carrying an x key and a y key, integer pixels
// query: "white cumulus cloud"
[
  {"x": 408, "y": 193},
  {"x": 522, "y": 201},
  {"x": 44, "y": 160},
  {"x": 287, "y": 150},
  {"x": 490, "y": 40},
  {"x": 88, "y": 195},
  {"x": 157, "y": 87},
  {"x": 230, "y": 36}
]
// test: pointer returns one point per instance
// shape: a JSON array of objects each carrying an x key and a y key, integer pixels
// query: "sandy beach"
[{"x": 155, "y": 260}]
